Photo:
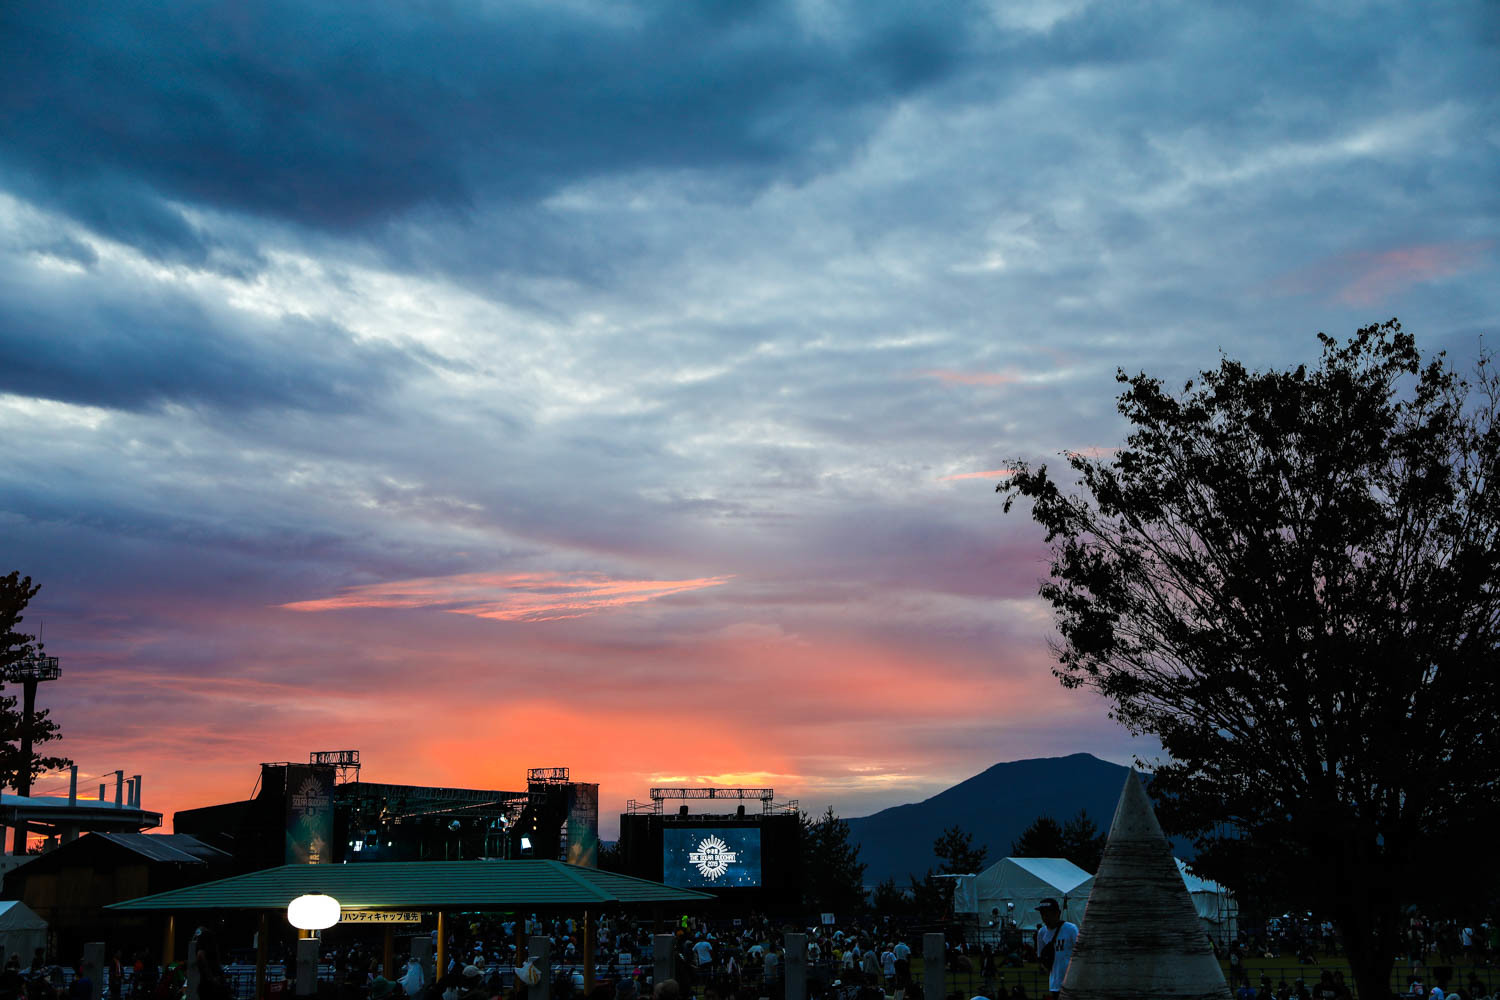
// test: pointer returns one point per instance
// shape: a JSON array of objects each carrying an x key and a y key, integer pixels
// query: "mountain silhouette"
[{"x": 996, "y": 806}]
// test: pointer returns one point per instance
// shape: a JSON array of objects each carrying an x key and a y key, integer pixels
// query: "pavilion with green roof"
[{"x": 425, "y": 886}]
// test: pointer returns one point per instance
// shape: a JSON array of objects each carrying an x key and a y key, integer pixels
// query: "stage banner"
[
  {"x": 583, "y": 825},
  {"x": 309, "y": 814}
]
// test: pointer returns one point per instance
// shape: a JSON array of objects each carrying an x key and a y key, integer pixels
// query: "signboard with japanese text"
[{"x": 380, "y": 917}]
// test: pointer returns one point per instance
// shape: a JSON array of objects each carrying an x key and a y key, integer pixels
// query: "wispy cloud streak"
[{"x": 517, "y": 597}]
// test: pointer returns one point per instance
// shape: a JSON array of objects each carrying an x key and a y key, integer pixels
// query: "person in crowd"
[
  {"x": 1054, "y": 944},
  {"x": 411, "y": 979},
  {"x": 212, "y": 983}
]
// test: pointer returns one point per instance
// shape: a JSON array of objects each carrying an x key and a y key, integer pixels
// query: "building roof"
[
  {"x": 412, "y": 885},
  {"x": 81, "y": 813},
  {"x": 175, "y": 847}
]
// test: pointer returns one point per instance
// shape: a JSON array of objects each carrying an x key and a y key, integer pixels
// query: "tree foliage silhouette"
[
  {"x": 956, "y": 852},
  {"x": 1083, "y": 844},
  {"x": 1042, "y": 839},
  {"x": 1289, "y": 578},
  {"x": 832, "y": 874}
]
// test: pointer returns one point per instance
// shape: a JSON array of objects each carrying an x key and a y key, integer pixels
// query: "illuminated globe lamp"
[{"x": 313, "y": 912}]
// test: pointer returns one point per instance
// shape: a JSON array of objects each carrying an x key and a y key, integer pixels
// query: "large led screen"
[{"x": 711, "y": 857}]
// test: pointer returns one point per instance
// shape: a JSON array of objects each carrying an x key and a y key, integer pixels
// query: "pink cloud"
[
  {"x": 971, "y": 378},
  {"x": 988, "y": 474},
  {"x": 1364, "y": 278},
  {"x": 520, "y": 597},
  {"x": 1391, "y": 271}
]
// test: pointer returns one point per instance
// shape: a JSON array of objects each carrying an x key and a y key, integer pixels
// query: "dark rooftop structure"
[{"x": 424, "y": 885}]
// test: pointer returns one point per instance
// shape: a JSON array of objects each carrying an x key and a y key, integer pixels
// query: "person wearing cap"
[
  {"x": 1054, "y": 944},
  {"x": 472, "y": 987}
]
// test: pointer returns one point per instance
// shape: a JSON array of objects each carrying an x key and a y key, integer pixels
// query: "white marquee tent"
[
  {"x": 22, "y": 932},
  {"x": 1012, "y": 887}
]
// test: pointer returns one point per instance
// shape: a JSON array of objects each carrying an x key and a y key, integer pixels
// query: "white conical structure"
[{"x": 1140, "y": 938}]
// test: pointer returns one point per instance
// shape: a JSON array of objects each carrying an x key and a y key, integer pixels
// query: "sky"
[{"x": 624, "y": 385}]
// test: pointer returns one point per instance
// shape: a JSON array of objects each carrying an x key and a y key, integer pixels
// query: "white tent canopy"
[
  {"x": 1218, "y": 910},
  {"x": 1012, "y": 887},
  {"x": 22, "y": 932}
]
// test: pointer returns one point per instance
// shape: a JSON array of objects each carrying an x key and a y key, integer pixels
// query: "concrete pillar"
[
  {"x": 664, "y": 950},
  {"x": 137, "y": 782},
  {"x": 262, "y": 953},
  {"x": 72, "y": 786},
  {"x": 934, "y": 975},
  {"x": 119, "y": 789},
  {"x": 539, "y": 948},
  {"x": 421, "y": 950},
  {"x": 796, "y": 967},
  {"x": 307, "y": 967},
  {"x": 93, "y": 967},
  {"x": 586, "y": 934},
  {"x": 192, "y": 966}
]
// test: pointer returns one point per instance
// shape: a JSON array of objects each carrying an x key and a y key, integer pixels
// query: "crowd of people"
[{"x": 727, "y": 959}]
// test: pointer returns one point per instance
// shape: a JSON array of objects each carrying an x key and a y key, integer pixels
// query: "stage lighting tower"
[{"x": 30, "y": 671}]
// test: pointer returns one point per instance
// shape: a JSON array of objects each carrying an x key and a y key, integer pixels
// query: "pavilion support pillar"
[
  {"x": 169, "y": 942},
  {"x": 587, "y": 940},
  {"x": 262, "y": 950},
  {"x": 388, "y": 959},
  {"x": 440, "y": 967}
]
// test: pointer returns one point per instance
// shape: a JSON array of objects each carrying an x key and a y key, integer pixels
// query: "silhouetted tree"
[
  {"x": 887, "y": 900},
  {"x": 955, "y": 850},
  {"x": 1290, "y": 579},
  {"x": 16, "y": 592},
  {"x": 931, "y": 896},
  {"x": 832, "y": 874},
  {"x": 1083, "y": 844},
  {"x": 1042, "y": 839}
]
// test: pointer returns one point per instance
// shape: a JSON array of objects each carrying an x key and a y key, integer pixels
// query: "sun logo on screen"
[{"x": 713, "y": 857}]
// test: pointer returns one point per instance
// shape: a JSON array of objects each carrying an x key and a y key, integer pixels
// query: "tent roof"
[
  {"x": 1059, "y": 873},
  {"x": 410, "y": 885},
  {"x": 17, "y": 916},
  {"x": 1196, "y": 884}
]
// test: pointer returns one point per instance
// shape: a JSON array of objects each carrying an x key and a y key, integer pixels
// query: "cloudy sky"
[{"x": 624, "y": 385}]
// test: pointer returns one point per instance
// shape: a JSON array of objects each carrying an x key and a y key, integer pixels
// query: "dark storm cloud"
[
  {"x": 124, "y": 348},
  {"x": 341, "y": 116}
]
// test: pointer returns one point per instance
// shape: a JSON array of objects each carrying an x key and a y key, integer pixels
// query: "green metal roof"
[{"x": 422, "y": 885}]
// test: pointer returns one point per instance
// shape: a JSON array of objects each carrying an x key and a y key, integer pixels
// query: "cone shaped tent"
[{"x": 1140, "y": 936}]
